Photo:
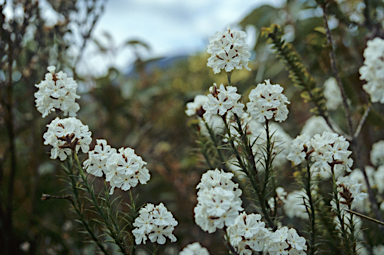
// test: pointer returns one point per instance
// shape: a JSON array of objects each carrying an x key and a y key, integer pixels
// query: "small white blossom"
[
  {"x": 325, "y": 151},
  {"x": 221, "y": 100},
  {"x": 286, "y": 241},
  {"x": 372, "y": 70},
  {"x": 267, "y": 101},
  {"x": 218, "y": 199},
  {"x": 196, "y": 107},
  {"x": 154, "y": 223},
  {"x": 194, "y": 249},
  {"x": 377, "y": 153},
  {"x": 65, "y": 135},
  {"x": 332, "y": 94},
  {"x": 125, "y": 169},
  {"x": 96, "y": 164},
  {"x": 315, "y": 125},
  {"x": 248, "y": 233},
  {"x": 57, "y": 92},
  {"x": 228, "y": 51},
  {"x": 294, "y": 204}
]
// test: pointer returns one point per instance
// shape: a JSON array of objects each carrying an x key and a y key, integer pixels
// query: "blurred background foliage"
[{"x": 143, "y": 108}]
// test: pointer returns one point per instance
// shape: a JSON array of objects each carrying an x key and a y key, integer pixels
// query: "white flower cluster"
[
  {"x": 332, "y": 94},
  {"x": 155, "y": 223},
  {"x": 377, "y": 153},
  {"x": 372, "y": 70},
  {"x": 294, "y": 206},
  {"x": 228, "y": 51},
  {"x": 96, "y": 164},
  {"x": 125, "y": 169},
  {"x": 194, "y": 249},
  {"x": 315, "y": 125},
  {"x": 196, "y": 107},
  {"x": 267, "y": 101},
  {"x": 222, "y": 100},
  {"x": 57, "y": 92},
  {"x": 218, "y": 200},
  {"x": 327, "y": 152},
  {"x": 248, "y": 233},
  {"x": 65, "y": 135},
  {"x": 350, "y": 189},
  {"x": 285, "y": 241}
]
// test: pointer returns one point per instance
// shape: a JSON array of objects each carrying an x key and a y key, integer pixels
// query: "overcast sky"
[{"x": 169, "y": 27}]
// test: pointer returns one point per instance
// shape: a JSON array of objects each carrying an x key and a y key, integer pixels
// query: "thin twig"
[
  {"x": 365, "y": 217},
  {"x": 362, "y": 121}
]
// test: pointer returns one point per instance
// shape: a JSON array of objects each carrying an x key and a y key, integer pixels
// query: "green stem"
[
  {"x": 251, "y": 173},
  {"x": 340, "y": 215},
  {"x": 216, "y": 143},
  {"x": 310, "y": 211},
  {"x": 77, "y": 205},
  {"x": 108, "y": 218}
]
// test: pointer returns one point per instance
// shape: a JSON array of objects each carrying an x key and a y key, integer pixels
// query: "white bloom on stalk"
[
  {"x": 57, "y": 92},
  {"x": 125, "y": 169},
  {"x": 315, "y": 125},
  {"x": 377, "y": 153},
  {"x": 267, "y": 101},
  {"x": 248, "y": 233},
  {"x": 228, "y": 51},
  {"x": 154, "y": 223},
  {"x": 332, "y": 94},
  {"x": 196, "y": 107},
  {"x": 327, "y": 152},
  {"x": 221, "y": 100},
  {"x": 351, "y": 189},
  {"x": 218, "y": 199},
  {"x": 65, "y": 135},
  {"x": 373, "y": 70},
  {"x": 96, "y": 164},
  {"x": 286, "y": 241},
  {"x": 294, "y": 204},
  {"x": 194, "y": 249}
]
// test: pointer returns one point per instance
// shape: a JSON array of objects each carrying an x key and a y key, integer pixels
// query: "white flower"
[
  {"x": 315, "y": 125},
  {"x": 353, "y": 186},
  {"x": 125, "y": 170},
  {"x": 372, "y": 70},
  {"x": 267, "y": 102},
  {"x": 218, "y": 199},
  {"x": 228, "y": 51},
  {"x": 57, "y": 92},
  {"x": 248, "y": 233},
  {"x": 196, "y": 107},
  {"x": 332, "y": 94},
  {"x": 154, "y": 223},
  {"x": 96, "y": 163},
  {"x": 194, "y": 249},
  {"x": 325, "y": 151},
  {"x": 221, "y": 100},
  {"x": 65, "y": 135},
  {"x": 287, "y": 241},
  {"x": 377, "y": 153},
  {"x": 378, "y": 250},
  {"x": 294, "y": 204}
]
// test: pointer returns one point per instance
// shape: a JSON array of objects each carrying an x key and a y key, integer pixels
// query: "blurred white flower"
[
  {"x": 377, "y": 153},
  {"x": 332, "y": 94},
  {"x": 194, "y": 249},
  {"x": 373, "y": 70}
]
